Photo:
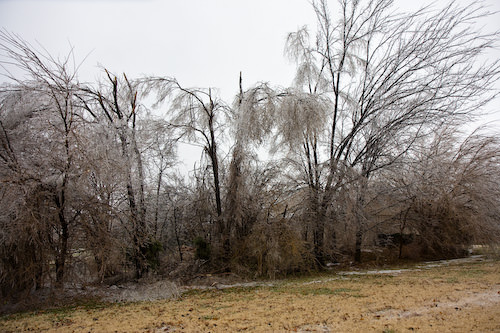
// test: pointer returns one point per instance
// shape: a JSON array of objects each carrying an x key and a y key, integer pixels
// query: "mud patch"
[{"x": 476, "y": 299}]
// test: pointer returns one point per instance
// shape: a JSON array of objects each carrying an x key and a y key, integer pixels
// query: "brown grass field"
[{"x": 458, "y": 296}]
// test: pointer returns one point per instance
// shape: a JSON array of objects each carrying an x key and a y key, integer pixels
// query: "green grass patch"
[
  {"x": 239, "y": 290},
  {"x": 60, "y": 313},
  {"x": 469, "y": 272},
  {"x": 343, "y": 290},
  {"x": 316, "y": 291},
  {"x": 309, "y": 290},
  {"x": 376, "y": 279}
]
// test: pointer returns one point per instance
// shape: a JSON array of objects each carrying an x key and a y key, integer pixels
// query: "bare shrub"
[
  {"x": 274, "y": 249},
  {"x": 143, "y": 292}
]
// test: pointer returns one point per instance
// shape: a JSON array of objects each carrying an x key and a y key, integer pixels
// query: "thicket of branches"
[{"x": 365, "y": 152}]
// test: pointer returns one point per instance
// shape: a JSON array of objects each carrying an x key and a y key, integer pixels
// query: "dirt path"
[{"x": 454, "y": 296}]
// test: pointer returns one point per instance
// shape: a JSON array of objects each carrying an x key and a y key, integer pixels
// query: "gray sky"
[{"x": 202, "y": 43}]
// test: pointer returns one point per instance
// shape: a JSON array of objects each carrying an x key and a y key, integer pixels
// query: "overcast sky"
[{"x": 202, "y": 43}]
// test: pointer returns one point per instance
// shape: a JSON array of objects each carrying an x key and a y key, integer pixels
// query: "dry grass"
[{"x": 457, "y": 297}]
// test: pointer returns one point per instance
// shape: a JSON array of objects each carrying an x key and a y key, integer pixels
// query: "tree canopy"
[{"x": 364, "y": 150}]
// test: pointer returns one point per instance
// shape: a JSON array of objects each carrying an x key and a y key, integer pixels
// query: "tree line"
[{"x": 365, "y": 151}]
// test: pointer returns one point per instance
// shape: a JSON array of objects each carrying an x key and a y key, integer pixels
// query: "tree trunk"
[
  {"x": 212, "y": 152},
  {"x": 176, "y": 233},
  {"x": 215, "y": 170},
  {"x": 138, "y": 228},
  {"x": 62, "y": 248},
  {"x": 358, "y": 246},
  {"x": 360, "y": 216},
  {"x": 142, "y": 266},
  {"x": 318, "y": 214},
  {"x": 235, "y": 230},
  {"x": 402, "y": 227},
  {"x": 319, "y": 234},
  {"x": 157, "y": 200}
]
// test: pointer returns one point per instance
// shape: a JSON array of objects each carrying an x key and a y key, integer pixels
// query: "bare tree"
[
  {"x": 116, "y": 104},
  {"x": 391, "y": 79},
  {"x": 449, "y": 193},
  {"x": 161, "y": 151},
  {"x": 50, "y": 87},
  {"x": 199, "y": 116}
]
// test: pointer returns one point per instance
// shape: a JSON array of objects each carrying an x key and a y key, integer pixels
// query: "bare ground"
[{"x": 448, "y": 296}]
